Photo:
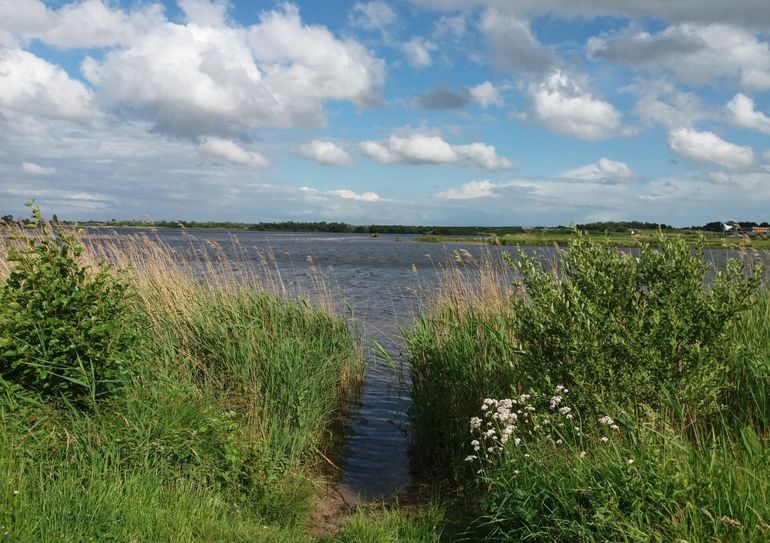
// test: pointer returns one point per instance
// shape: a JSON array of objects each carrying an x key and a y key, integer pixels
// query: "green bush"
[
  {"x": 66, "y": 330},
  {"x": 629, "y": 329}
]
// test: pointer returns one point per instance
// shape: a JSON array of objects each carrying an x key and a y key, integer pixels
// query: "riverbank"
[
  {"x": 624, "y": 400},
  {"x": 224, "y": 413},
  {"x": 141, "y": 403},
  {"x": 561, "y": 237}
]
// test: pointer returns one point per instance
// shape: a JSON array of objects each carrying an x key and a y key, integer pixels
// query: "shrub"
[
  {"x": 66, "y": 329},
  {"x": 629, "y": 329}
]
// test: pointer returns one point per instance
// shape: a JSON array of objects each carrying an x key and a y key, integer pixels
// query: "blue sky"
[{"x": 489, "y": 112}]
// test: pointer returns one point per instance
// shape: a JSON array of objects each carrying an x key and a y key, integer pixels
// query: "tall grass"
[
  {"x": 671, "y": 471},
  {"x": 215, "y": 432},
  {"x": 461, "y": 344}
]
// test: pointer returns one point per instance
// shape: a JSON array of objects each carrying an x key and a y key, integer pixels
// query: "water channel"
[{"x": 381, "y": 283}]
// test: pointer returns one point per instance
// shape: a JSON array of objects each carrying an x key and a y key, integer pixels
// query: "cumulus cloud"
[
  {"x": 694, "y": 53},
  {"x": 376, "y": 15},
  {"x": 231, "y": 151},
  {"x": 561, "y": 105},
  {"x": 326, "y": 152},
  {"x": 512, "y": 44},
  {"x": 442, "y": 98},
  {"x": 89, "y": 23},
  {"x": 469, "y": 191},
  {"x": 604, "y": 171},
  {"x": 192, "y": 80},
  {"x": 661, "y": 102},
  {"x": 708, "y": 147},
  {"x": 421, "y": 149},
  {"x": 347, "y": 194},
  {"x": 417, "y": 52},
  {"x": 486, "y": 94},
  {"x": 741, "y": 109},
  {"x": 36, "y": 169},
  {"x": 32, "y": 86}
]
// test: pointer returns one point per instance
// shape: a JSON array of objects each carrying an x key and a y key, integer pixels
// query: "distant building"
[{"x": 761, "y": 230}]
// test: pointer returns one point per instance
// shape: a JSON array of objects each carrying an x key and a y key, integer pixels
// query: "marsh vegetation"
[{"x": 151, "y": 395}]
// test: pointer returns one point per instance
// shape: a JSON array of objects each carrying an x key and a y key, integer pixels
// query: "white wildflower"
[
  {"x": 475, "y": 423},
  {"x": 558, "y": 441},
  {"x": 607, "y": 421},
  {"x": 630, "y": 461},
  {"x": 555, "y": 401},
  {"x": 470, "y": 458},
  {"x": 583, "y": 454},
  {"x": 615, "y": 427},
  {"x": 564, "y": 410},
  {"x": 603, "y": 439}
]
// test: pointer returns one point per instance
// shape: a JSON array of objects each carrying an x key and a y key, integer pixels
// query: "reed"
[
  {"x": 213, "y": 434},
  {"x": 672, "y": 466}
]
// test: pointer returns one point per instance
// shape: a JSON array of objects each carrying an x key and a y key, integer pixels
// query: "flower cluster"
[{"x": 513, "y": 424}]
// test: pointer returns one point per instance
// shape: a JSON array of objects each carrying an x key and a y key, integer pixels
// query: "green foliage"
[
  {"x": 455, "y": 360},
  {"x": 647, "y": 485},
  {"x": 629, "y": 329},
  {"x": 66, "y": 331}
]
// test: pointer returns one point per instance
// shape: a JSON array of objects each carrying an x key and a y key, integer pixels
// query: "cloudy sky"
[{"x": 403, "y": 111}]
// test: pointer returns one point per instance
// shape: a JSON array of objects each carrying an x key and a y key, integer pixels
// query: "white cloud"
[
  {"x": 708, "y": 147},
  {"x": 662, "y": 103},
  {"x": 89, "y": 23},
  {"x": 469, "y": 191},
  {"x": 741, "y": 107},
  {"x": 561, "y": 105},
  {"x": 32, "y": 86},
  {"x": 231, "y": 151},
  {"x": 204, "y": 12},
  {"x": 376, "y": 15},
  {"x": 695, "y": 53},
  {"x": 604, "y": 171},
  {"x": 192, "y": 80},
  {"x": 325, "y": 152},
  {"x": 486, "y": 94},
  {"x": 422, "y": 149},
  {"x": 512, "y": 44},
  {"x": 36, "y": 169},
  {"x": 482, "y": 156},
  {"x": 452, "y": 26},
  {"x": 417, "y": 52},
  {"x": 347, "y": 194}
]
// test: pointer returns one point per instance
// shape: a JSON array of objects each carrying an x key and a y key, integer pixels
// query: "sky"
[{"x": 425, "y": 112}]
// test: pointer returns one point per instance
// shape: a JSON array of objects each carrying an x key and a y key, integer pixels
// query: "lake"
[{"x": 382, "y": 282}]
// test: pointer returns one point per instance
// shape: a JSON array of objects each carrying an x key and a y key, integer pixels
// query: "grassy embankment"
[
  {"x": 202, "y": 415},
  {"x": 546, "y": 236},
  {"x": 623, "y": 400}
]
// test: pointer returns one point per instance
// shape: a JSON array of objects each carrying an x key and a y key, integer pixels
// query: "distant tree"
[{"x": 7, "y": 219}]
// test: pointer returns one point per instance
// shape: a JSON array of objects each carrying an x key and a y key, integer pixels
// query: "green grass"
[
  {"x": 213, "y": 433},
  {"x": 376, "y": 525},
  {"x": 546, "y": 237},
  {"x": 669, "y": 473}
]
